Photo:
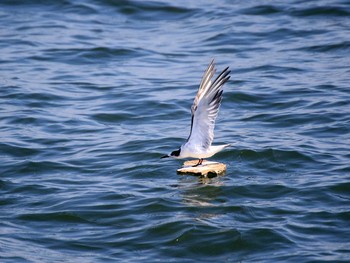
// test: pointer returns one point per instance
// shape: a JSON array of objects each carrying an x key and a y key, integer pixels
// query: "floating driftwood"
[{"x": 206, "y": 169}]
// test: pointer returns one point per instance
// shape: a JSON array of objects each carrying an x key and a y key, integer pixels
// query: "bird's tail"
[
  {"x": 225, "y": 145},
  {"x": 218, "y": 148}
]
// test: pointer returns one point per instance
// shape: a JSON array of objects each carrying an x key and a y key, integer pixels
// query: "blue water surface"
[{"x": 94, "y": 92}]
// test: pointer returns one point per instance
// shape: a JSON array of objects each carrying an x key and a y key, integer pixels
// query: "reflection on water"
[
  {"x": 197, "y": 185},
  {"x": 206, "y": 200},
  {"x": 200, "y": 193}
]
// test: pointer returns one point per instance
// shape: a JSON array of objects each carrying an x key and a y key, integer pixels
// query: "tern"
[{"x": 204, "y": 111}]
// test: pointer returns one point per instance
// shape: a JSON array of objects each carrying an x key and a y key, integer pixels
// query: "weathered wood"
[{"x": 206, "y": 169}]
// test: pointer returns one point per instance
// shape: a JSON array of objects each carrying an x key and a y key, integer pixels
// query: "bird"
[{"x": 204, "y": 110}]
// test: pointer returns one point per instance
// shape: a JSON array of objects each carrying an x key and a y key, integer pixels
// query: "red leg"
[{"x": 200, "y": 161}]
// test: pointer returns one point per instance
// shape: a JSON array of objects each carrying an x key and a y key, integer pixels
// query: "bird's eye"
[{"x": 175, "y": 153}]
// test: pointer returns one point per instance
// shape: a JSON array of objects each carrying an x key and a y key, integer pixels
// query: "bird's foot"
[{"x": 200, "y": 161}]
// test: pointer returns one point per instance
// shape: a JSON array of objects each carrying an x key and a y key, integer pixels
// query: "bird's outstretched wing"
[{"x": 206, "y": 106}]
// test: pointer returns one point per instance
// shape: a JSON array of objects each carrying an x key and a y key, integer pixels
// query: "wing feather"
[{"x": 206, "y": 106}]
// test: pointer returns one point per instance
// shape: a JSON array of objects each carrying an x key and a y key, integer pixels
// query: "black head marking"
[{"x": 176, "y": 153}]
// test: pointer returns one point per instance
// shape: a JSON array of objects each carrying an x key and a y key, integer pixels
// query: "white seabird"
[{"x": 204, "y": 110}]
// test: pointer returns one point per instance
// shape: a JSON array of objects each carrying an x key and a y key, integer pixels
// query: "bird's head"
[{"x": 173, "y": 154}]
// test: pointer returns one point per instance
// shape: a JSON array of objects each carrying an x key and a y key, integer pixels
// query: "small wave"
[
  {"x": 330, "y": 47},
  {"x": 67, "y": 217},
  {"x": 87, "y": 55},
  {"x": 149, "y": 10},
  {"x": 17, "y": 150},
  {"x": 269, "y": 158},
  {"x": 327, "y": 11},
  {"x": 262, "y": 10}
]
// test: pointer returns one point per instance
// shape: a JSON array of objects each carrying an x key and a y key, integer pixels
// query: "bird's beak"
[{"x": 165, "y": 156}]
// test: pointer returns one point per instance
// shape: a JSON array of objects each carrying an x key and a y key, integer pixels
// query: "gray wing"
[{"x": 206, "y": 106}]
